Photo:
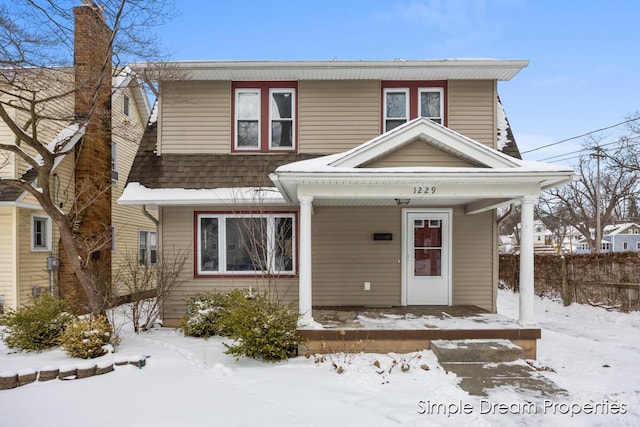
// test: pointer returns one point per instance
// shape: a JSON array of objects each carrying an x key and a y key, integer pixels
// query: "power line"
[
  {"x": 544, "y": 159},
  {"x": 580, "y": 136}
]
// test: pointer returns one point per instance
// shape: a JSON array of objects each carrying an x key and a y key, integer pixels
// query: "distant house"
[
  {"x": 615, "y": 238},
  {"x": 376, "y": 182},
  {"x": 30, "y": 250}
]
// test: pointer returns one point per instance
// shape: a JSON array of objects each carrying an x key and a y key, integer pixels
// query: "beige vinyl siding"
[
  {"x": 345, "y": 256},
  {"x": 472, "y": 109},
  {"x": 127, "y": 220},
  {"x": 195, "y": 117},
  {"x": 419, "y": 153},
  {"x": 32, "y": 270},
  {"x": 8, "y": 258},
  {"x": 335, "y": 116},
  {"x": 176, "y": 233},
  {"x": 473, "y": 259}
]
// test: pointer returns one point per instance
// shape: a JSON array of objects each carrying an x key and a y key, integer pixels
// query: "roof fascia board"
[
  {"x": 439, "y": 69},
  {"x": 432, "y": 133}
]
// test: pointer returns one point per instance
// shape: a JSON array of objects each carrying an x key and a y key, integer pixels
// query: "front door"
[{"x": 427, "y": 246}]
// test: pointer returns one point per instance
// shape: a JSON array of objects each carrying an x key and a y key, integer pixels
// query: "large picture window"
[
  {"x": 264, "y": 116},
  {"x": 245, "y": 243}
]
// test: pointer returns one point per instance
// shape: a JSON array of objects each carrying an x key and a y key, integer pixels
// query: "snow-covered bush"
[
  {"x": 208, "y": 314},
  {"x": 37, "y": 326},
  {"x": 261, "y": 328},
  {"x": 264, "y": 330},
  {"x": 87, "y": 337}
]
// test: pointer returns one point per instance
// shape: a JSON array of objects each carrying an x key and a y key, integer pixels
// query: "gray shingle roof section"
[
  {"x": 195, "y": 171},
  {"x": 9, "y": 193}
]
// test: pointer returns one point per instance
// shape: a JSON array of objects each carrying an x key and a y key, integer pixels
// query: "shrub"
[
  {"x": 261, "y": 329},
  {"x": 264, "y": 330},
  {"x": 87, "y": 337},
  {"x": 209, "y": 314},
  {"x": 36, "y": 326}
]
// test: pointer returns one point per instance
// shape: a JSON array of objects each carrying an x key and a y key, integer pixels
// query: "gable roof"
[
  {"x": 499, "y": 180},
  {"x": 431, "y": 133}
]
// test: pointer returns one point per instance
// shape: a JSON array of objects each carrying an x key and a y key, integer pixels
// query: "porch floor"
[{"x": 409, "y": 328}]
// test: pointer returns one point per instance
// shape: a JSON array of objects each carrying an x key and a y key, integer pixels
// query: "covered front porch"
[
  {"x": 446, "y": 187},
  {"x": 409, "y": 328}
]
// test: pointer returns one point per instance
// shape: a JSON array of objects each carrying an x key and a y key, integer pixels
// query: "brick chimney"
[{"x": 92, "y": 63}]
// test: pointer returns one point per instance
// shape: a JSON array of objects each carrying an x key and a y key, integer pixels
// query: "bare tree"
[
  {"x": 150, "y": 285},
  {"x": 37, "y": 86},
  {"x": 614, "y": 185}
]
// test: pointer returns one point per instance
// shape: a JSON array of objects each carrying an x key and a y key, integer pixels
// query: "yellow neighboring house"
[{"x": 29, "y": 241}]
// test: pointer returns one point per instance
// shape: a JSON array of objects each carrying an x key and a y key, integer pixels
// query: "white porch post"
[
  {"x": 526, "y": 261},
  {"x": 304, "y": 293}
]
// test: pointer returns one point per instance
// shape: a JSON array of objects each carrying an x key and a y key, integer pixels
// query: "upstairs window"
[
  {"x": 407, "y": 100},
  {"x": 126, "y": 105},
  {"x": 264, "y": 116}
]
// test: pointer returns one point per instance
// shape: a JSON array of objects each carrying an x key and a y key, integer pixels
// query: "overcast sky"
[{"x": 584, "y": 55}]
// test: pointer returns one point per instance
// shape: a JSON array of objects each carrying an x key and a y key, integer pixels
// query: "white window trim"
[
  {"x": 432, "y": 89},
  {"x": 126, "y": 105},
  {"x": 638, "y": 246},
  {"x": 293, "y": 119},
  {"x": 147, "y": 260},
  {"x": 406, "y": 107},
  {"x": 114, "y": 162},
  {"x": 239, "y": 91},
  {"x": 222, "y": 244},
  {"x": 48, "y": 237}
]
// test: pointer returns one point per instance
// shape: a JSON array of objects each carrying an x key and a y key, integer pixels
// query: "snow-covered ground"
[{"x": 595, "y": 355}]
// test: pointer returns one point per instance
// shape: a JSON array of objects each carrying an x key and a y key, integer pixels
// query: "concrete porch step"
[
  {"x": 478, "y": 378},
  {"x": 476, "y": 351}
]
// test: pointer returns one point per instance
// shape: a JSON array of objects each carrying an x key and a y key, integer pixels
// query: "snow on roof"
[
  {"x": 137, "y": 194},
  {"x": 503, "y": 126}
]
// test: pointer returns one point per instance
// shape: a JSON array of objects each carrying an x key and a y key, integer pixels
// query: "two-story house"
[
  {"x": 623, "y": 237},
  {"x": 30, "y": 248},
  {"x": 361, "y": 183}
]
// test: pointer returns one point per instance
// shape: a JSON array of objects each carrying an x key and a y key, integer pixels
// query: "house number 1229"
[{"x": 424, "y": 190}]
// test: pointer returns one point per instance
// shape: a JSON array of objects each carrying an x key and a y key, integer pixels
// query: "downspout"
[{"x": 148, "y": 215}]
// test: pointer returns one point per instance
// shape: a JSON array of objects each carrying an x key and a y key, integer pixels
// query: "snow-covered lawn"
[{"x": 595, "y": 355}]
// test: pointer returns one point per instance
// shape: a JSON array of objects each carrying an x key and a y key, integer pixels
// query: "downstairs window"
[{"x": 239, "y": 244}]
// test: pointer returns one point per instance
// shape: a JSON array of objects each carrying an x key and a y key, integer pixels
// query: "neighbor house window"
[
  {"x": 114, "y": 162},
  {"x": 245, "y": 243},
  {"x": 126, "y": 105},
  {"x": 40, "y": 233},
  {"x": 264, "y": 116},
  {"x": 407, "y": 100},
  {"x": 147, "y": 247},
  {"x": 625, "y": 246},
  {"x": 637, "y": 246}
]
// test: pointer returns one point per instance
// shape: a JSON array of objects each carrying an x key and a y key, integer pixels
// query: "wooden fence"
[{"x": 609, "y": 280}]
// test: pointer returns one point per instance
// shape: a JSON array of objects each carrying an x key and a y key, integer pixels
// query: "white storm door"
[{"x": 427, "y": 241}]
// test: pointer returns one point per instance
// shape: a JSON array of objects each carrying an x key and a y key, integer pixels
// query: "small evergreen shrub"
[
  {"x": 87, "y": 337},
  {"x": 260, "y": 328},
  {"x": 208, "y": 314},
  {"x": 264, "y": 330},
  {"x": 37, "y": 326}
]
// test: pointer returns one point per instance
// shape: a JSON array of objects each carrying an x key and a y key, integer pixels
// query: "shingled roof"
[
  {"x": 10, "y": 193},
  {"x": 195, "y": 171}
]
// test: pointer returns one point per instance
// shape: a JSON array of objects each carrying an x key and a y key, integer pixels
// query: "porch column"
[
  {"x": 305, "y": 292},
  {"x": 526, "y": 261}
]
